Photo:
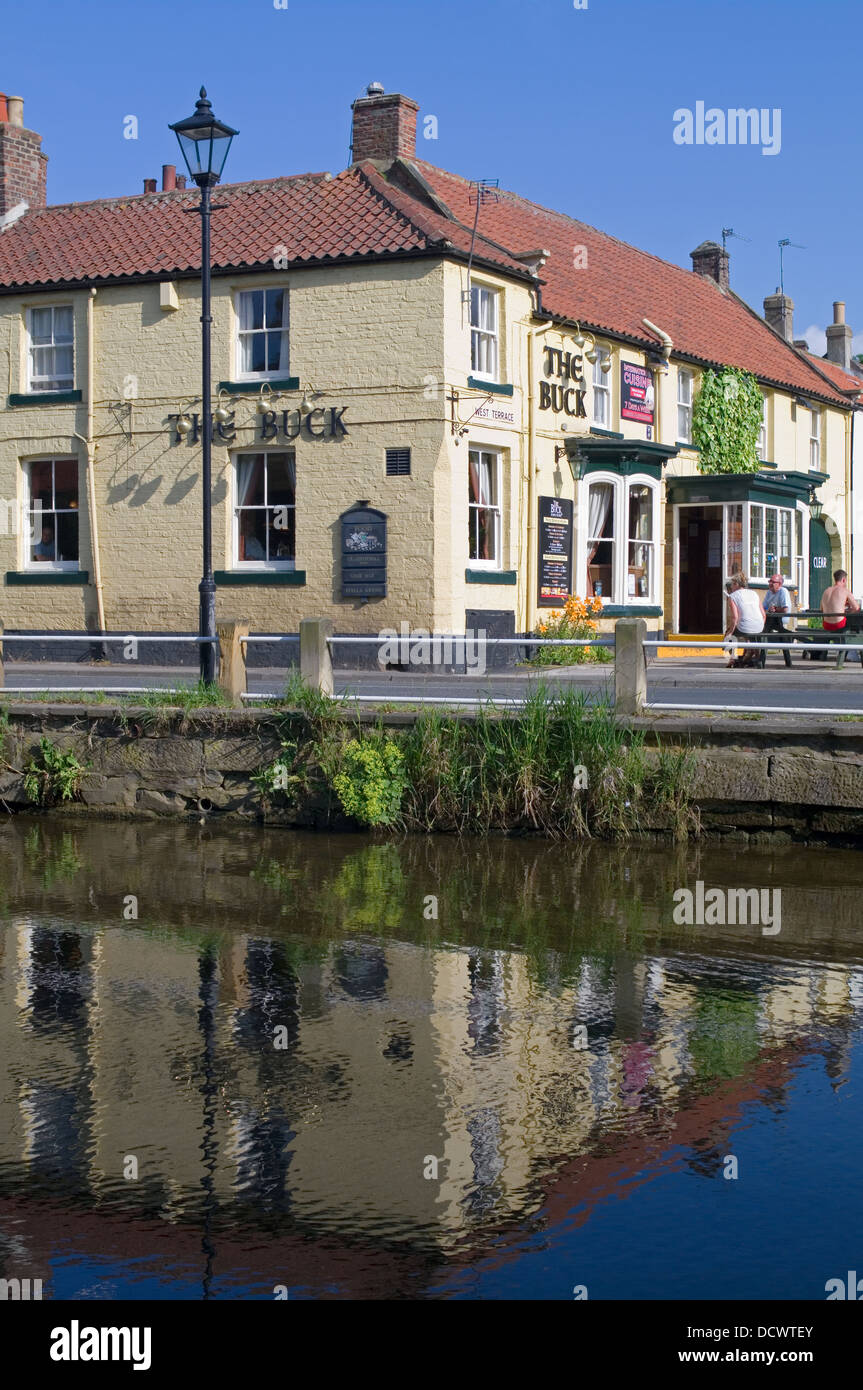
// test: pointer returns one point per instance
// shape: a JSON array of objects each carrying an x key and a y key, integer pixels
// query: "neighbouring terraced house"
[{"x": 494, "y": 398}]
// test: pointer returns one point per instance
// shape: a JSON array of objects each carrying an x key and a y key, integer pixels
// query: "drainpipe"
[
  {"x": 531, "y": 472},
  {"x": 91, "y": 471}
]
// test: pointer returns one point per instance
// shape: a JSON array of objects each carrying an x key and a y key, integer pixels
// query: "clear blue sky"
[{"x": 573, "y": 108}]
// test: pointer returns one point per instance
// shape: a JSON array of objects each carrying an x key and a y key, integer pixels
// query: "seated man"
[
  {"x": 777, "y": 603},
  {"x": 836, "y": 602}
]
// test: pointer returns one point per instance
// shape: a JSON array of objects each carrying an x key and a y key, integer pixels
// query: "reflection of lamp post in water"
[{"x": 208, "y": 994}]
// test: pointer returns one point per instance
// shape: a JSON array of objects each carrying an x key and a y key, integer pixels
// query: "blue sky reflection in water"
[{"x": 406, "y": 1038}]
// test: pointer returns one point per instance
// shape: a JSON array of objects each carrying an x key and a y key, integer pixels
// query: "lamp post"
[{"x": 204, "y": 143}]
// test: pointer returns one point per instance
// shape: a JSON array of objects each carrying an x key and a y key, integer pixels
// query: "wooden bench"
[{"x": 850, "y": 636}]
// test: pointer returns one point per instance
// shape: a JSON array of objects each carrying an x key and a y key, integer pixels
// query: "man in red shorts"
[{"x": 836, "y": 602}]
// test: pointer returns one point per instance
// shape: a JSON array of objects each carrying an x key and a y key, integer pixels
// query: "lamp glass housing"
[{"x": 204, "y": 142}]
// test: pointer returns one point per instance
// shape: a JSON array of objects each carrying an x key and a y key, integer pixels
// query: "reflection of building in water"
[{"x": 392, "y": 1053}]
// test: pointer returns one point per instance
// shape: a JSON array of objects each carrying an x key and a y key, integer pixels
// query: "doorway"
[{"x": 700, "y": 606}]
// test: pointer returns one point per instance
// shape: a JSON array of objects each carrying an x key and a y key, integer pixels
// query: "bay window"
[
  {"x": 52, "y": 503},
  {"x": 265, "y": 511},
  {"x": 484, "y": 332},
  {"x": 262, "y": 334},
  {"x": 50, "y": 357},
  {"x": 621, "y": 525},
  {"x": 484, "y": 516},
  {"x": 773, "y": 538},
  {"x": 684, "y": 406}
]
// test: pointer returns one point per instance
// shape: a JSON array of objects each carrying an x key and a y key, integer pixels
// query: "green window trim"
[
  {"x": 294, "y": 579},
  {"x": 253, "y": 388},
  {"x": 44, "y": 398},
  {"x": 493, "y": 387},
  {"x": 629, "y": 610},
  {"x": 70, "y": 577},
  {"x": 491, "y": 576}
]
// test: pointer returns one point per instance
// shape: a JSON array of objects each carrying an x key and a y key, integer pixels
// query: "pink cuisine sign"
[{"x": 637, "y": 393}]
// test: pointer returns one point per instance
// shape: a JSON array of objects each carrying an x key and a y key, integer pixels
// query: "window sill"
[
  {"x": 684, "y": 444},
  {"x": 47, "y": 577},
  {"x": 490, "y": 576},
  {"x": 254, "y": 384},
  {"x": 233, "y": 578},
  {"x": 44, "y": 398},
  {"x": 496, "y": 388}
]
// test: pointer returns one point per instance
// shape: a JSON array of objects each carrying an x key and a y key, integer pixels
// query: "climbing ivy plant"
[{"x": 726, "y": 422}]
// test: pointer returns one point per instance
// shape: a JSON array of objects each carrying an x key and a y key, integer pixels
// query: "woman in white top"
[{"x": 748, "y": 616}]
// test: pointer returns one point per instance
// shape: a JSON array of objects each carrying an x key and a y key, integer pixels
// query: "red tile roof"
[
  {"x": 362, "y": 214},
  {"x": 620, "y": 286},
  {"x": 312, "y": 216},
  {"x": 846, "y": 381}
]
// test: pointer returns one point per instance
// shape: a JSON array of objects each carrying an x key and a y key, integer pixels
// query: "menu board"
[
  {"x": 555, "y": 551},
  {"x": 637, "y": 393}
]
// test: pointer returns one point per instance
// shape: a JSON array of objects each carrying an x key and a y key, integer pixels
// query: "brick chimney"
[
  {"x": 384, "y": 126},
  {"x": 711, "y": 260},
  {"x": 23, "y": 166},
  {"x": 169, "y": 178},
  {"x": 839, "y": 337},
  {"x": 779, "y": 313}
]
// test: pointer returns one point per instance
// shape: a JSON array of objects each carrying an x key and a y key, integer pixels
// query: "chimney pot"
[
  {"x": 839, "y": 337},
  {"x": 23, "y": 166},
  {"x": 384, "y": 126},
  {"x": 181, "y": 181},
  {"x": 169, "y": 178},
  {"x": 149, "y": 185},
  {"x": 711, "y": 261},
  {"x": 779, "y": 313}
]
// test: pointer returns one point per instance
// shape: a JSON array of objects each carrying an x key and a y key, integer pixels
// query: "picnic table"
[{"x": 850, "y": 636}]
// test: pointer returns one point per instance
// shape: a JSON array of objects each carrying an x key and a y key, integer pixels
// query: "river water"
[{"x": 241, "y": 1063}]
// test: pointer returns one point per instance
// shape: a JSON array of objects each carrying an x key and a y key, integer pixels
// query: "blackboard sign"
[
  {"x": 364, "y": 553},
  {"x": 555, "y": 551}
]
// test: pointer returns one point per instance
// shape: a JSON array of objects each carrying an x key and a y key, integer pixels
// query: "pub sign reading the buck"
[{"x": 364, "y": 552}]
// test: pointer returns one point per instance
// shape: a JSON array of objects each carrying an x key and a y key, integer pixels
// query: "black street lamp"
[{"x": 204, "y": 143}]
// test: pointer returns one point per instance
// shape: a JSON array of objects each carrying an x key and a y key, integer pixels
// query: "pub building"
[{"x": 435, "y": 403}]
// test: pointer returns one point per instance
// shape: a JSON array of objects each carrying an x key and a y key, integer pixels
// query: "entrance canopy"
[{"x": 754, "y": 522}]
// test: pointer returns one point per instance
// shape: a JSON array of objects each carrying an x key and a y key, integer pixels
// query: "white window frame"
[
  {"x": 764, "y": 508},
  {"x": 685, "y": 385},
  {"x": 36, "y": 384},
  {"x": 761, "y": 445},
  {"x": 265, "y": 566},
  {"x": 620, "y": 564},
  {"x": 48, "y": 566},
  {"x": 601, "y": 391},
  {"x": 815, "y": 439},
  {"x": 478, "y": 332},
  {"x": 496, "y": 562},
  {"x": 278, "y": 372}
]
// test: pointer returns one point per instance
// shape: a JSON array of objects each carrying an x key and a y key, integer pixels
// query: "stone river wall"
[{"x": 763, "y": 780}]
